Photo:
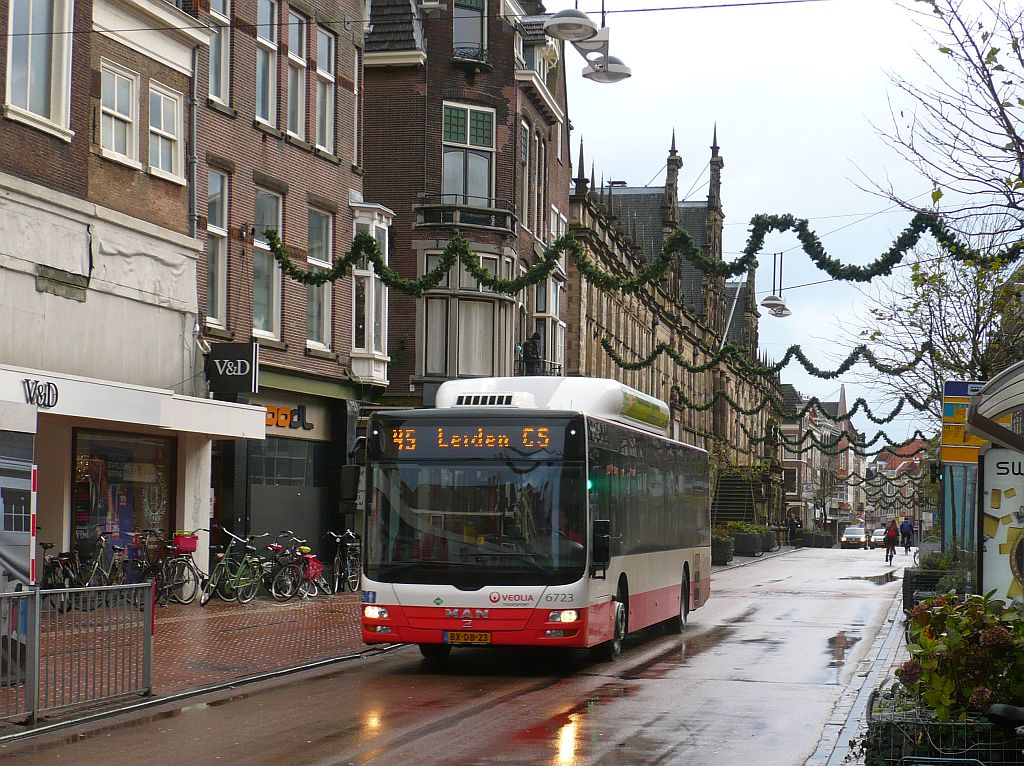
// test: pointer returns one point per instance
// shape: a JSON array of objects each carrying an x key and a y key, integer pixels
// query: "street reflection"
[
  {"x": 372, "y": 722},
  {"x": 567, "y": 742}
]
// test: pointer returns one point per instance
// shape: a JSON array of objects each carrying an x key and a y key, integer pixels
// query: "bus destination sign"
[
  {"x": 526, "y": 438},
  {"x": 427, "y": 438}
]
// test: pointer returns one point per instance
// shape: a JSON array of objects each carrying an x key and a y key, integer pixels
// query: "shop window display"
[{"x": 123, "y": 484}]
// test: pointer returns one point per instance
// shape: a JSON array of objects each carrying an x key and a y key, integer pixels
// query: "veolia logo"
[
  {"x": 495, "y": 598},
  {"x": 234, "y": 367},
  {"x": 42, "y": 395}
]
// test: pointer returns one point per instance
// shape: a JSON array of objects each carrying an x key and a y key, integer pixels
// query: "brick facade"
[
  {"x": 255, "y": 154},
  {"x": 403, "y": 156}
]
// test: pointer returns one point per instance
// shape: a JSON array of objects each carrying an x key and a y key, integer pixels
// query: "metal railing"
[
  {"x": 465, "y": 210},
  {"x": 537, "y": 367},
  {"x": 71, "y": 647}
]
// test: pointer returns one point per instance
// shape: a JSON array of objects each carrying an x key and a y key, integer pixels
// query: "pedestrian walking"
[{"x": 531, "y": 354}]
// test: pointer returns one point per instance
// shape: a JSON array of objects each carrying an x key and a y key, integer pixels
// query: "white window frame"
[
  {"x": 482, "y": 19},
  {"x": 321, "y": 264},
  {"x": 260, "y": 247},
  {"x": 325, "y": 80},
  {"x": 58, "y": 119},
  {"x": 297, "y": 71},
  {"x": 177, "y": 171},
  {"x": 131, "y": 155},
  {"x": 375, "y": 304},
  {"x": 217, "y": 242},
  {"x": 549, "y": 317},
  {"x": 222, "y": 32},
  {"x": 266, "y": 45}
]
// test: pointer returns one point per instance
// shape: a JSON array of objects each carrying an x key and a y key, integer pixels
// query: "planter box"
[
  {"x": 768, "y": 540},
  {"x": 721, "y": 551},
  {"x": 919, "y": 584},
  {"x": 898, "y": 728},
  {"x": 747, "y": 543}
]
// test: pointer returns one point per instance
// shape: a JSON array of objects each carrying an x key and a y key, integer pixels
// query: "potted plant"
[
  {"x": 768, "y": 539},
  {"x": 922, "y": 581},
  {"x": 965, "y": 654},
  {"x": 747, "y": 538},
  {"x": 722, "y": 549}
]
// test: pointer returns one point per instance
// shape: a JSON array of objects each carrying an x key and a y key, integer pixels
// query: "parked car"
[
  {"x": 878, "y": 538},
  {"x": 854, "y": 537}
]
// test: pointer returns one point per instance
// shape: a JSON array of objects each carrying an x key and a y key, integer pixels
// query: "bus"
[{"x": 531, "y": 511}]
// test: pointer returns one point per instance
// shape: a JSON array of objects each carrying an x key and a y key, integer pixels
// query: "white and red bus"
[{"x": 531, "y": 511}]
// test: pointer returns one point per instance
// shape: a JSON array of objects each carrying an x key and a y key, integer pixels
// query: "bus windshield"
[{"x": 476, "y": 523}]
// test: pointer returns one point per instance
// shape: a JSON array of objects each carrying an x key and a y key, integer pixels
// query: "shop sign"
[
  {"x": 1002, "y": 506},
  {"x": 42, "y": 394},
  {"x": 295, "y": 416},
  {"x": 233, "y": 368}
]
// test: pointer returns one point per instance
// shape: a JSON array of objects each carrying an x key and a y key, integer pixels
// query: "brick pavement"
[{"x": 198, "y": 646}]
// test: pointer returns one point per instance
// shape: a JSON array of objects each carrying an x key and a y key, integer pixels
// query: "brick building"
[
  {"x": 281, "y": 127},
  {"x": 98, "y": 304},
  {"x": 466, "y": 130}
]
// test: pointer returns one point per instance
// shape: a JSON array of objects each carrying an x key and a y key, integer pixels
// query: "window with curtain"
[{"x": 266, "y": 273}]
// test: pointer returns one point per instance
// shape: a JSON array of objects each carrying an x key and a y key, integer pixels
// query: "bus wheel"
[
  {"x": 435, "y": 652},
  {"x": 675, "y": 625},
  {"x": 610, "y": 650}
]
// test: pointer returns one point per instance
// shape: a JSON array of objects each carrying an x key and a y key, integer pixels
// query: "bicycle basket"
[
  {"x": 85, "y": 548},
  {"x": 314, "y": 567},
  {"x": 185, "y": 542}
]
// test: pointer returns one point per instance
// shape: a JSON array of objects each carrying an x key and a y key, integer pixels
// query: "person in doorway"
[
  {"x": 906, "y": 534},
  {"x": 892, "y": 536}
]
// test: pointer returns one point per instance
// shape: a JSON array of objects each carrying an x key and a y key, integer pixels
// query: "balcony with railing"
[
  {"x": 466, "y": 212},
  {"x": 473, "y": 57},
  {"x": 537, "y": 367}
]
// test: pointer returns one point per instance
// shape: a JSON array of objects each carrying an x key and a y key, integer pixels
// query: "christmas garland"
[
  {"x": 920, "y": 224},
  {"x": 779, "y": 409},
  {"x": 731, "y": 353},
  {"x": 365, "y": 248},
  {"x": 826, "y": 448}
]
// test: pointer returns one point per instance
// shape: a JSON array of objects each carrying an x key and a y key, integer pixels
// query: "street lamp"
[
  {"x": 775, "y": 303},
  {"x": 574, "y": 26}
]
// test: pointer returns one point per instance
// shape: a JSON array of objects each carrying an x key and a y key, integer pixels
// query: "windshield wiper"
[
  {"x": 404, "y": 565},
  {"x": 527, "y": 557}
]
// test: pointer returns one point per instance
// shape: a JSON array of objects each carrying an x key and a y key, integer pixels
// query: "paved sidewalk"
[{"x": 201, "y": 646}]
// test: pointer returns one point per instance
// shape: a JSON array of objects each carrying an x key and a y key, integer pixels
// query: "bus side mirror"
[
  {"x": 349, "y": 483},
  {"x": 600, "y": 548}
]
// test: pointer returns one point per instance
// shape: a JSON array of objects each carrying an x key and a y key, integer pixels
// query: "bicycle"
[
  {"x": 231, "y": 579},
  {"x": 97, "y": 573},
  {"x": 302, "y": 576},
  {"x": 347, "y": 561},
  {"x": 56, "y": 576}
]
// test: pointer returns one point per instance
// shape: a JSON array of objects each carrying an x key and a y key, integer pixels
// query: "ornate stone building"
[{"x": 622, "y": 228}]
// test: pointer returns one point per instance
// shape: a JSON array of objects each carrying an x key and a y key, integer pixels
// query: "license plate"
[{"x": 466, "y": 637}]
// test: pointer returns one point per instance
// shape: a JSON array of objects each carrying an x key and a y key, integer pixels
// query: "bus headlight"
[
  {"x": 563, "y": 615},
  {"x": 375, "y": 612}
]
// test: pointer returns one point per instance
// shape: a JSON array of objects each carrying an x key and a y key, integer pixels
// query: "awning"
[
  {"x": 1002, "y": 395},
  {"x": 53, "y": 393}
]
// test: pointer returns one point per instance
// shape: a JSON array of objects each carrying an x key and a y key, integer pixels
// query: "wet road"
[{"x": 753, "y": 679}]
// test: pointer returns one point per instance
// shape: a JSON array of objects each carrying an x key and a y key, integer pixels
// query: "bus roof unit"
[{"x": 599, "y": 397}]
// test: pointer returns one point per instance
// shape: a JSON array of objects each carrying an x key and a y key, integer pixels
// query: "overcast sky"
[{"x": 795, "y": 91}]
